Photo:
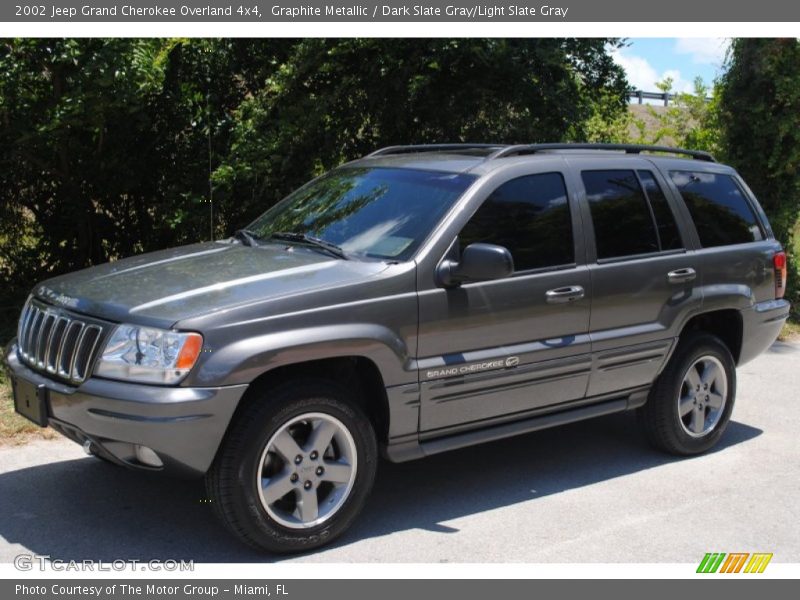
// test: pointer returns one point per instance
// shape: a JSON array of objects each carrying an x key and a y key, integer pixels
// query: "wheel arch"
[
  {"x": 237, "y": 360},
  {"x": 727, "y": 324},
  {"x": 356, "y": 373}
]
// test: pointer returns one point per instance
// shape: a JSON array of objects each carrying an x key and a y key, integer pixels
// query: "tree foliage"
[
  {"x": 105, "y": 145},
  {"x": 689, "y": 121},
  {"x": 759, "y": 118},
  {"x": 335, "y": 100},
  {"x": 110, "y": 147}
]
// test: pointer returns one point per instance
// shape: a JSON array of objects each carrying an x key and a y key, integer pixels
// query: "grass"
[
  {"x": 14, "y": 429},
  {"x": 790, "y": 332}
]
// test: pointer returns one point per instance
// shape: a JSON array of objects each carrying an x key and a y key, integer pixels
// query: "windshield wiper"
[
  {"x": 310, "y": 240},
  {"x": 247, "y": 237}
]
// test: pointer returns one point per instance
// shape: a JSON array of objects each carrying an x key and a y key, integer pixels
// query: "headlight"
[{"x": 149, "y": 355}]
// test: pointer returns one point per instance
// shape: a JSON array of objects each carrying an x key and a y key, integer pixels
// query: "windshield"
[{"x": 373, "y": 212}]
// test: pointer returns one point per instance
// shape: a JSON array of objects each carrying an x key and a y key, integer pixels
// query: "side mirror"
[{"x": 479, "y": 262}]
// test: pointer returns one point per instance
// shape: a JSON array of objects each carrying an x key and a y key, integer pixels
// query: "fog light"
[{"x": 147, "y": 456}]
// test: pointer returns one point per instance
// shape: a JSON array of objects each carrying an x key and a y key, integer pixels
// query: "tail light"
[{"x": 779, "y": 262}]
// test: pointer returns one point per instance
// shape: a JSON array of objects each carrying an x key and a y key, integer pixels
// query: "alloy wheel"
[
  {"x": 307, "y": 470},
  {"x": 702, "y": 396}
]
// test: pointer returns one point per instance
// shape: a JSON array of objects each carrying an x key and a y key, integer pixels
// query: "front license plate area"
[{"x": 30, "y": 400}]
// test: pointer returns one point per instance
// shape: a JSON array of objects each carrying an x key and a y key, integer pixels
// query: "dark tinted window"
[
  {"x": 378, "y": 212},
  {"x": 665, "y": 221},
  {"x": 529, "y": 216},
  {"x": 720, "y": 211},
  {"x": 621, "y": 216}
]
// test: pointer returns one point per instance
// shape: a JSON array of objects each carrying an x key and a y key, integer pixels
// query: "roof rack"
[
  {"x": 434, "y": 148},
  {"x": 519, "y": 150},
  {"x": 504, "y": 150}
]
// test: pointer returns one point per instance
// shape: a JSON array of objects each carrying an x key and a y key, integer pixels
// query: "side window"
[
  {"x": 668, "y": 234},
  {"x": 721, "y": 213},
  {"x": 529, "y": 216},
  {"x": 623, "y": 224}
]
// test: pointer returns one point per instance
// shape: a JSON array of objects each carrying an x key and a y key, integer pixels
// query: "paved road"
[{"x": 589, "y": 492}]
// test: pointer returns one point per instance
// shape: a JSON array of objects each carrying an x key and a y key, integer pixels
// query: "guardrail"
[{"x": 662, "y": 96}]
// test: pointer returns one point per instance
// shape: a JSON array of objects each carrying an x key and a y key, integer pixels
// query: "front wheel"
[
  {"x": 295, "y": 469},
  {"x": 691, "y": 402}
]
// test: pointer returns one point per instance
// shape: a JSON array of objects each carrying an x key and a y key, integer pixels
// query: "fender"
[
  {"x": 243, "y": 360},
  {"x": 736, "y": 297}
]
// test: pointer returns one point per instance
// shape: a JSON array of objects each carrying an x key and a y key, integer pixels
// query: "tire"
[
  {"x": 257, "y": 451},
  {"x": 665, "y": 427}
]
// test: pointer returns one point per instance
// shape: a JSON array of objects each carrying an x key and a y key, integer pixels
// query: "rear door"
[
  {"x": 502, "y": 348},
  {"x": 735, "y": 248},
  {"x": 643, "y": 268}
]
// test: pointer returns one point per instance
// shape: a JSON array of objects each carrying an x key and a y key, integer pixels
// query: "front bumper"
[{"x": 183, "y": 426}]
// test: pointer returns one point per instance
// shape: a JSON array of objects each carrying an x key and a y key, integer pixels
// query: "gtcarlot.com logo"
[
  {"x": 734, "y": 562},
  {"x": 43, "y": 562}
]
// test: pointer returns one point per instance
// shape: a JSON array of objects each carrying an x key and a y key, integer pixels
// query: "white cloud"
[
  {"x": 703, "y": 51},
  {"x": 643, "y": 76}
]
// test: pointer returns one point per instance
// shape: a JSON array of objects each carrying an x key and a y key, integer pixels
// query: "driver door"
[{"x": 491, "y": 349}]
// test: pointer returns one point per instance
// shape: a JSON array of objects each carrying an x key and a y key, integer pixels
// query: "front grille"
[{"x": 55, "y": 342}]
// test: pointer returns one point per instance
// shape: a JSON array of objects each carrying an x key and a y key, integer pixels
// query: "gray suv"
[{"x": 421, "y": 299}]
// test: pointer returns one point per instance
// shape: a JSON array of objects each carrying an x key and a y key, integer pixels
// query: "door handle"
[
  {"x": 562, "y": 295},
  {"x": 682, "y": 275}
]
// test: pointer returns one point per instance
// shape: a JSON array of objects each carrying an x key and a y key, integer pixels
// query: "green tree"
[
  {"x": 106, "y": 145},
  {"x": 759, "y": 116},
  {"x": 610, "y": 126},
  {"x": 689, "y": 121},
  {"x": 335, "y": 100}
]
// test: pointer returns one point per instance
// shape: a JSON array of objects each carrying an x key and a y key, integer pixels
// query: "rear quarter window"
[{"x": 721, "y": 213}]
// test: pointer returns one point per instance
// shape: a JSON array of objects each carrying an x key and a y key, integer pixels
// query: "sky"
[{"x": 648, "y": 60}]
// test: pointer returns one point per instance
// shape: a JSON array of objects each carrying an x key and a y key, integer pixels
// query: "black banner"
[
  {"x": 343, "y": 589},
  {"x": 259, "y": 11}
]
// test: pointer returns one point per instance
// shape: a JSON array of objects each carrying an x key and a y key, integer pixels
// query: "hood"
[{"x": 163, "y": 287}]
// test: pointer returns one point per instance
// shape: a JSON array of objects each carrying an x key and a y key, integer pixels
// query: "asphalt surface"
[{"x": 589, "y": 492}]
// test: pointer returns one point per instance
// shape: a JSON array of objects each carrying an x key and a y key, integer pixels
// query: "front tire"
[
  {"x": 295, "y": 469},
  {"x": 690, "y": 404}
]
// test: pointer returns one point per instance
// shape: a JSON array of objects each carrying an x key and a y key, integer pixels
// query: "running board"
[{"x": 498, "y": 432}]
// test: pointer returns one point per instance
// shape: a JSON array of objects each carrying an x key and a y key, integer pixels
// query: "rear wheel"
[
  {"x": 295, "y": 469},
  {"x": 691, "y": 402}
]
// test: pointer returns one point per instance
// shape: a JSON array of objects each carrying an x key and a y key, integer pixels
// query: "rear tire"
[
  {"x": 295, "y": 468},
  {"x": 690, "y": 404}
]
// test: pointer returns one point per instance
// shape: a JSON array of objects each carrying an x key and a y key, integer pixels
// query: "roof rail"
[
  {"x": 434, "y": 148},
  {"x": 521, "y": 149}
]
